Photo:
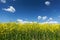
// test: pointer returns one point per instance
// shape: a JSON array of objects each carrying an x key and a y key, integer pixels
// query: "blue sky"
[{"x": 29, "y": 10}]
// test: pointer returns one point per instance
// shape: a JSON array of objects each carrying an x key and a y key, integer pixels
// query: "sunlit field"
[{"x": 29, "y": 31}]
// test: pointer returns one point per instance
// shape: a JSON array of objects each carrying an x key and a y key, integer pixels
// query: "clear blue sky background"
[{"x": 29, "y": 10}]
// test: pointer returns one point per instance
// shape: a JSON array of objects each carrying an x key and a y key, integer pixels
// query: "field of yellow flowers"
[{"x": 29, "y": 31}]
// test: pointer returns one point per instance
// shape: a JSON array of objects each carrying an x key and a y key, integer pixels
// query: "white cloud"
[
  {"x": 10, "y": 9},
  {"x": 50, "y": 19},
  {"x": 39, "y": 17},
  {"x": 22, "y": 21},
  {"x": 51, "y": 22},
  {"x": 47, "y": 3},
  {"x": 19, "y": 20},
  {"x": 44, "y": 17},
  {"x": 3, "y": 1}
]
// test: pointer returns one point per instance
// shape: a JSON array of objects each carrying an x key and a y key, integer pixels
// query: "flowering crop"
[{"x": 29, "y": 31}]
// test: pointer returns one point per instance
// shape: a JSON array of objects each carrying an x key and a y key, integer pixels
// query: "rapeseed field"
[{"x": 29, "y": 31}]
